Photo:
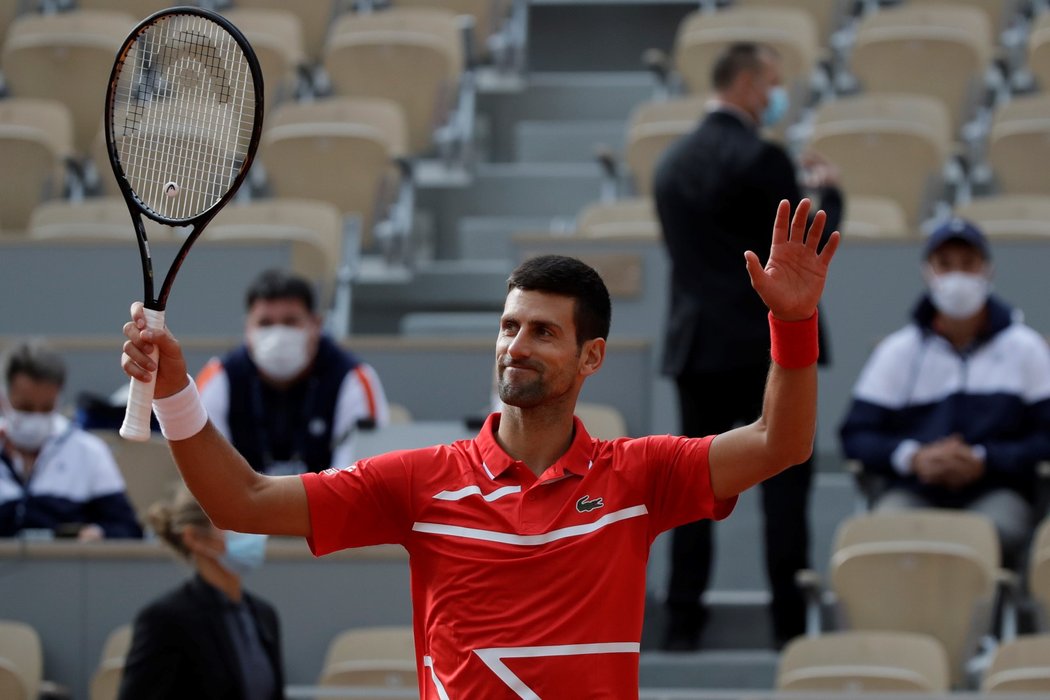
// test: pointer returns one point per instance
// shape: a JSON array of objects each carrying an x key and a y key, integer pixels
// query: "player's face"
[{"x": 537, "y": 357}]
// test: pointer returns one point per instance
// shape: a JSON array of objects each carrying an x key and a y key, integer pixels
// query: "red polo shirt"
[{"x": 522, "y": 587}]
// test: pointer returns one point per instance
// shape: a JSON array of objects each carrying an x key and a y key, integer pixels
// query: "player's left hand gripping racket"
[{"x": 183, "y": 119}]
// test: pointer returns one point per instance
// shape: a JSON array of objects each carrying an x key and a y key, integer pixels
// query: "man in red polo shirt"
[{"x": 529, "y": 543}]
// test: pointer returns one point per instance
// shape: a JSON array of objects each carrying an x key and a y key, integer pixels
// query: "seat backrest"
[
  {"x": 105, "y": 681},
  {"x": 864, "y": 660},
  {"x": 936, "y": 50},
  {"x": 95, "y": 219},
  {"x": 1022, "y": 665},
  {"x": 1039, "y": 571},
  {"x": 148, "y": 469},
  {"x": 370, "y": 673},
  {"x": 276, "y": 36},
  {"x": 315, "y": 18},
  {"x": 827, "y": 14},
  {"x": 12, "y": 686},
  {"x": 21, "y": 646},
  {"x": 875, "y": 217},
  {"x": 653, "y": 127},
  {"x": 602, "y": 421},
  {"x": 371, "y": 656},
  {"x": 623, "y": 217},
  {"x": 997, "y": 12},
  {"x": 117, "y": 643},
  {"x": 346, "y": 144},
  {"x": 892, "y": 146},
  {"x": 412, "y": 56},
  {"x": 1019, "y": 144},
  {"x": 488, "y": 15},
  {"x": 1039, "y": 51},
  {"x": 702, "y": 35},
  {"x": 36, "y": 135},
  {"x": 1010, "y": 216},
  {"x": 66, "y": 56},
  {"x": 931, "y": 572}
]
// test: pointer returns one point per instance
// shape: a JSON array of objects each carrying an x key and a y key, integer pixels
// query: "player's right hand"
[{"x": 136, "y": 362}]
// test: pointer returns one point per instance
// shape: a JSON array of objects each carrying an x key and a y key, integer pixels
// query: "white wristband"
[{"x": 181, "y": 415}]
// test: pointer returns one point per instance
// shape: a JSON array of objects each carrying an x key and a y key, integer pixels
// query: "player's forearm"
[{"x": 219, "y": 477}]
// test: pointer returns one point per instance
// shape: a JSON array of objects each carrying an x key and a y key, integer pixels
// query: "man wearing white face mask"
[
  {"x": 54, "y": 476},
  {"x": 954, "y": 409},
  {"x": 289, "y": 399},
  {"x": 715, "y": 190}
]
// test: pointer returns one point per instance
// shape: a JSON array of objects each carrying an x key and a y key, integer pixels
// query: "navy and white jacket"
[
  {"x": 75, "y": 480},
  {"x": 917, "y": 388}
]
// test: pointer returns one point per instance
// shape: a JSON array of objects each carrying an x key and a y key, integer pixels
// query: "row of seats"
[{"x": 931, "y": 572}]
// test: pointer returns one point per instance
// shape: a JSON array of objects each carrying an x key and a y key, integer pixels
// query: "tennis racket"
[{"x": 183, "y": 118}]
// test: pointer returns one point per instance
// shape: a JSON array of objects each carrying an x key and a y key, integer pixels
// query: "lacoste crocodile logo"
[{"x": 587, "y": 504}]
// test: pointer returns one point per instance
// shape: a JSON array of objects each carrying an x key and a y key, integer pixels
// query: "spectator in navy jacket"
[
  {"x": 954, "y": 408},
  {"x": 53, "y": 475}
]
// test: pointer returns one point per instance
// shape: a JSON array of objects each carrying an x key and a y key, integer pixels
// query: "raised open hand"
[{"x": 793, "y": 279}]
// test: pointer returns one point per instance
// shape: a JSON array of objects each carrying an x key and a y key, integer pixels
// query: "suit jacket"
[
  {"x": 181, "y": 649},
  {"x": 717, "y": 191}
]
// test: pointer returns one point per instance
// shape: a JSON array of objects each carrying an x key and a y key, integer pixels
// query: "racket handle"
[{"x": 140, "y": 396}]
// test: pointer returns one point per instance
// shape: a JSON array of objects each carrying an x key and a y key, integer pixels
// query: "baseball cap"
[{"x": 956, "y": 229}]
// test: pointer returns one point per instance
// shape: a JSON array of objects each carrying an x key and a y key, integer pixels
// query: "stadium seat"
[
  {"x": 412, "y": 56},
  {"x": 863, "y": 662},
  {"x": 105, "y": 681},
  {"x": 379, "y": 657},
  {"x": 21, "y": 648},
  {"x": 148, "y": 469},
  {"x": 68, "y": 57},
  {"x": 314, "y": 228},
  {"x": 315, "y": 18},
  {"x": 36, "y": 138},
  {"x": 623, "y": 217},
  {"x": 998, "y": 12},
  {"x": 139, "y": 9},
  {"x": 602, "y": 421},
  {"x": 926, "y": 571},
  {"x": 1039, "y": 573},
  {"x": 1020, "y": 666},
  {"x": 1013, "y": 216},
  {"x": 826, "y": 14},
  {"x": 348, "y": 145},
  {"x": 1019, "y": 146},
  {"x": 277, "y": 38},
  {"x": 789, "y": 30},
  {"x": 653, "y": 127},
  {"x": 893, "y": 146},
  {"x": 488, "y": 16},
  {"x": 1039, "y": 51},
  {"x": 94, "y": 219},
  {"x": 875, "y": 217},
  {"x": 940, "y": 51}
]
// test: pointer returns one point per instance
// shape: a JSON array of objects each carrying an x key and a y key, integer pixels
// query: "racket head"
[{"x": 183, "y": 115}]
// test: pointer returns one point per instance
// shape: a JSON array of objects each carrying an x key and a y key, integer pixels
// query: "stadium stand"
[
  {"x": 276, "y": 35},
  {"x": 371, "y": 657},
  {"x": 1020, "y": 666},
  {"x": 1009, "y": 216},
  {"x": 21, "y": 652},
  {"x": 1019, "y": 145},
  {"x": 93, "y": 219},
  {"x": 105, "y": 682},
  {"x": 623, "y": 217},
  {"x": 652, "y": 128},
  {"x": 875, "y": 217}
]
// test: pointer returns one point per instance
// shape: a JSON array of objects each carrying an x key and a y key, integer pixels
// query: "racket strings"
[{"x": 183, "y": 115}]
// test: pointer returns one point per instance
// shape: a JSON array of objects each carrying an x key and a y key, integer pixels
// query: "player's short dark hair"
[
  {"x": 737, "y": 58},
  {"x": 279, "y": 284},
  {"x": 36, "y": 360},
  {"x": 558, "y": 274}
]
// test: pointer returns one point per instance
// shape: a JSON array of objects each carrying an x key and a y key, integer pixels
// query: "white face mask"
[
  {"x": 280, "y": 352},
  {"x": 29, "y": 431},
  {"x": 959, "y": 294}
]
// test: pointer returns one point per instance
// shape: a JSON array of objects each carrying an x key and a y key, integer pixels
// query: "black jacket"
[
  {"x": 717, "y": 191},
  {"x": 181, "y": 649}
]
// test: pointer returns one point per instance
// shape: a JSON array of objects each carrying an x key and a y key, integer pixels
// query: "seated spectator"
[
  {"x": 53, "y": 475},
  {"x": 289, "y": 398},
  {"x": 954, "y": 409},
  {"x": 208, "y": 638}
]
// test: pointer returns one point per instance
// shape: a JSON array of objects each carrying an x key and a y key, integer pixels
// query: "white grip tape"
[
  {"x": 140, "y": 396},
  {"x": 181, "y": 415}
]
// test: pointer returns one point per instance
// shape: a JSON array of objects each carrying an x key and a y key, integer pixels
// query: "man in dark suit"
[{"x": 716, "y": 191}]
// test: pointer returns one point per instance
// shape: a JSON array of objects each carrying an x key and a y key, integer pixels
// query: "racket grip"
[{"x": 140, "y": 397}]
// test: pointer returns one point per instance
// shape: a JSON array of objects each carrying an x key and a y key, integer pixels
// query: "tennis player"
[{"x": 527, "y": 544}]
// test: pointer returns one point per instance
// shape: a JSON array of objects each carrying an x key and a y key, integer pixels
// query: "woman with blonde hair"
[{"x": 208, "y": 638}]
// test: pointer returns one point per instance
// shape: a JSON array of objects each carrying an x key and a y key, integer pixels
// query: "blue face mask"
[
  {"x": 777, "y": 106},
  {"x": 244, "y": 552}
]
